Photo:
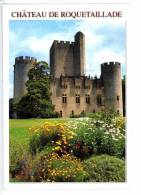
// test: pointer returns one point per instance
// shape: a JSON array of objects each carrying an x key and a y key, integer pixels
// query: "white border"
[
  {"x": 1, "y": 105},
  {"x": 130, "y": 187}
]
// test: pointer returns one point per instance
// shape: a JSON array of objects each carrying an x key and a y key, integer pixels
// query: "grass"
[{"x": 19, "y": 128}]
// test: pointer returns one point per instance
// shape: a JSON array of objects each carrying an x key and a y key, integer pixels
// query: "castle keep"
[{"x": 74, "y": 93}]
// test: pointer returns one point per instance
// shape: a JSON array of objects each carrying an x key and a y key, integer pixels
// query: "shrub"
[
  {"x": 55, "y": 135},
  {"x": 80, "y": 149},
  {"x": 98, "y": 135},
  {"x": 19, "y": 161},
  {"x": 53, "y": 168},
  {"x": 105, "y": 168}
]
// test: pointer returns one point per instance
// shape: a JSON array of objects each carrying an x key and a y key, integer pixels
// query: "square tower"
[{"x": 68, "y": 58}]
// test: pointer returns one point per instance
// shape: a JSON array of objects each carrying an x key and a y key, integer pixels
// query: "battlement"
[
  {"x": 26, "y": 59},
  {"x": 62, "y": 43},
  {"x": 110, "y": 64}
]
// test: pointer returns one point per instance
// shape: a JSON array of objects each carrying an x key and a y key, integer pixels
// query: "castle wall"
[
  {"x": 21, "y": 69},
  {"x": 71, "y": 87}
]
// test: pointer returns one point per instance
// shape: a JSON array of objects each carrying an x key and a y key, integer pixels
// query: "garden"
[{"x": 86, "y": 149}]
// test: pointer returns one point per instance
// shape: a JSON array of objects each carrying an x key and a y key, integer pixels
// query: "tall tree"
[{"x": 37, "y": 101}]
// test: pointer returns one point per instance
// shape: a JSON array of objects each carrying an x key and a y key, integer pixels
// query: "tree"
[
  {"x": 12, "y": 108},
  {"x": 37, "y": 101}
]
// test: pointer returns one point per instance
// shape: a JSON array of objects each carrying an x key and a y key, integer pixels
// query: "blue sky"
[{"x": 105, "y": 41}]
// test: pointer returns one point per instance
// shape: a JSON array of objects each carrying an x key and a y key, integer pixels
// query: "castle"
[{"x": 74, "y": 93}]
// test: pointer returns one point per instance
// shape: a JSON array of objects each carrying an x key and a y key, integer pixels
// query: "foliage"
[
  {"x": 16, "y": 155},
  {"x": 82, "y": 114},
  {"x": 55, "y": 135},
  {"x": 105, "y": 168},
  {"x": 53, "y": 168},
  {"x": 100, "y": 134},
  {"x": 16, "y": 151},
  {"x": 37, "y": 101},
  {"x": 12, "y": 107}
]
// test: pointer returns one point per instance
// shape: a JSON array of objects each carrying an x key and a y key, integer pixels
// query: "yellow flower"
[{"x": 57, "y": 148}]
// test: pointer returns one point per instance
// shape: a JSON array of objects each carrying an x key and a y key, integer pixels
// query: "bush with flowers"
[
  {"x": 56, "y": 136},
  {"x": 103, "y": 134},
  {"x": 54, "y": 168}
]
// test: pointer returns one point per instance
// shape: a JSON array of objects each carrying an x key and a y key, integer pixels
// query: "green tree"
[
  {"x": 37, "y": 101},
  {"x": 12, "y": 108}
]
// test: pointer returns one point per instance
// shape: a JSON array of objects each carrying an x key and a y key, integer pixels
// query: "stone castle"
[{"x": 74, "y": 93}]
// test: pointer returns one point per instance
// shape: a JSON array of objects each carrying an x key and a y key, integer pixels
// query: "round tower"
[
  {"x": 79, "y": 54},
  {"x": 21, "y": 68},
  {"x": 112, "y": 91}
]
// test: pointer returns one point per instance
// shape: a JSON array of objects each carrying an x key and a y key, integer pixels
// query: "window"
[
  {"x": 99, "y": 101},
  {"x": 72, "y": 112},
  {"x": 87, "y": 87},
  {"x": 60, "y": 113},
  {"x": 87, "y": 98},
  {"x": 77, "y": 98},
  {"x": 64, "y": 86},
  {"x": 117, "y": 98},
  {"x": 64, "y": 98},
  {"x": 77, "y": 86}
]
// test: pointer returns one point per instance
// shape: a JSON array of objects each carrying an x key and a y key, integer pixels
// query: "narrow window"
[
  {"x": 87, "y": 99},
  {"x": 60, "y": 113},
  {"x": 64, "y": 98},
  {"x": 99, "y": 101},
  {"x": 117, "y": 98},
  {"x": 72, "y": 112},
  {"x": 77, "y": 98}
]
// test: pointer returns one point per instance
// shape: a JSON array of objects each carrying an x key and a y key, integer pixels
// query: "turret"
[
  {"x": 21, "y": 68},
  {"x": 112, "y": 83}
]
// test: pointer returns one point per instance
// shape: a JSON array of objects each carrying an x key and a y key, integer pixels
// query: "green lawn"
[{"x": 19, "y": 128}]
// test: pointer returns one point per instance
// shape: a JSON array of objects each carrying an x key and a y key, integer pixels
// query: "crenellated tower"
[
  {"x": 21, "y": 68},
  {"x": 112, "y": 86},
  {"x": 68, "y": 58},
  {"x": 61, "y": 58}
]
